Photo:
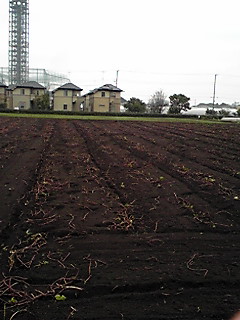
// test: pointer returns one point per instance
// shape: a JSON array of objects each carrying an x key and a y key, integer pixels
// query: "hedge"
[{"x": 109, "y": 114}]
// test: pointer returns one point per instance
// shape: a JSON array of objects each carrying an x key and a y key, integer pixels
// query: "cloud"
[{"x": 168, "y": 37}]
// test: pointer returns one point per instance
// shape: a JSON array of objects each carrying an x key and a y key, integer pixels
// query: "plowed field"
[{"x": 119, "y": 220}]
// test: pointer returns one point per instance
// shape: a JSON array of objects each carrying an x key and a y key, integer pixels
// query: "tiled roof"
[
  {"x": 31, "y": 84},
  {"x": 123, "y": 101},
  {"x": 106, "y": 87},
  {"x": 11, "y": 87},
  {"x": 109, "y": 87},
  {"x": 68, "y": 86}
]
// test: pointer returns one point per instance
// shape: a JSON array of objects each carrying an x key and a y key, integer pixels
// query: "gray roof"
[
  {"x": 11, "y": 87},
  {"x": 109, "y": 87},
  {"x": 90, "y": 92},
  {"x": 68, "y": 86},
  {"x": 2, "y": 85},
  {"x": 106, "y": 87},
  {"x": 31, "y": 84},
  {"x": 123, "y": 101}
]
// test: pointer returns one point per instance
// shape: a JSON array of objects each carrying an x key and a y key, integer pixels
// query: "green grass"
[{"x": 79, "y": 117}]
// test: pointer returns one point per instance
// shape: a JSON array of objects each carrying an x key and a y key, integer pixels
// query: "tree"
[
  {"x": 224, "y": 113},
  {"x": 135, "y": 105},
  {"x": 178, "y": 103},
  {"x": 238, "y": 112},
  {"x": 211, "y": 112},
  {"x": 157, "y": 103},
  {"x": 41, "y": 102}
]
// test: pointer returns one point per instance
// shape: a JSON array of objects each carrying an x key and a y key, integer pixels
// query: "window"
[
  {"x": 37, "y": 92},
  {"x": 65, "y": 106},
  {"x": 66, "y": 93},
  {"x": 102, "y": 105},
  {"x": 103, "y": 94},
  {"x": 22, "y": 91},
  {"x": 113, "y": 94}
]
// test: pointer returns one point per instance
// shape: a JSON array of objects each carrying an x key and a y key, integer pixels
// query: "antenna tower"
[{"x": 18, "y": 59}]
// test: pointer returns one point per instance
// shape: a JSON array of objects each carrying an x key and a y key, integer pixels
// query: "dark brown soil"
[{"x": 120, "y": 220}]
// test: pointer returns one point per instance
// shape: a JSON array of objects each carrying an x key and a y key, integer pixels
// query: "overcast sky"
[{"x": 173, "y": 45}]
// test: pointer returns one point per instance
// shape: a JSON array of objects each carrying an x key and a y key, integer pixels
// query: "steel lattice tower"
[{"x": 18, "y": 41}]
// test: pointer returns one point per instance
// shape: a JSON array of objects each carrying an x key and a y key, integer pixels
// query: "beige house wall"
[
  {"x": 9, "y": 100},
  {"x": 98, "y": 103},
  {"x": 85, "y": 102},
  {"x": 72, "y": 100},
  {"x": 2, "y": 95},
  {"x": 115, "y": 101},
  {"x": 78, "y": 105},
  {"x": 95, "y": 102}
]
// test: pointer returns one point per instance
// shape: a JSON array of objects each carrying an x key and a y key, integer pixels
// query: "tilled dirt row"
[
  {"x": 193, "y": 181},
  {"x": 107, "y": 221},
  {"x": 21, "y": 154}
]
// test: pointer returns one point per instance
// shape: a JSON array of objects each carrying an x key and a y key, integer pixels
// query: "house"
[
  {"x": 103, "y": 99},
  {"x": 67, "y": 98},
  {"x": 22, "y": 96},
  {"x": 3, "y": 99}
]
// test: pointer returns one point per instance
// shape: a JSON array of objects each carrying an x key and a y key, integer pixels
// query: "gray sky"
[{"x": 174, "y": 45}]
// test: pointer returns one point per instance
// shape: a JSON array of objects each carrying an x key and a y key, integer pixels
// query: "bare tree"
[{"x": 158, "y": 103}]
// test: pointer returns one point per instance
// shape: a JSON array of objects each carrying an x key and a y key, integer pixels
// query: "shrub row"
[{"x": 108, "y": 114}]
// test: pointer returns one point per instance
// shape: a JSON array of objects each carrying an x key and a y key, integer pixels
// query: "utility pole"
[
  {"x": 214, "y": 90},
  {"x": 117, "y": 78}
]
